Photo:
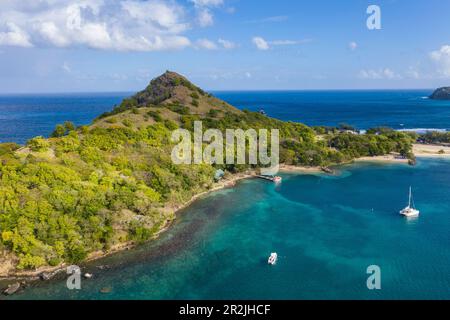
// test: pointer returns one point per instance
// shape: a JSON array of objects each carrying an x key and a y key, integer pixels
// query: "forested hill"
[{"x": 92, "y": 188}]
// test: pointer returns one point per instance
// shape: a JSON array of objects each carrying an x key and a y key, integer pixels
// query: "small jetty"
[{"x": 275, "y": 179}]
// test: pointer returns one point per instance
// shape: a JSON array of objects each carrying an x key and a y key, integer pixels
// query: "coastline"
[
  {"x": 391, "y": 158},
  {"x": 431, "y": 151},
  {"x": 299, "y": 169},
  {"x": 420, "y": 151},
  {"x": 33, "y": 275}
]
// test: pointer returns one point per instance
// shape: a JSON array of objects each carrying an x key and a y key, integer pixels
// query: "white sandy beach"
[{"x": 432, "y": 151}]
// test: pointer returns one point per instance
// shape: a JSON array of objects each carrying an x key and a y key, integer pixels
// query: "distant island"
[
  {"x": 88, "y": 191},
  {"x": 441, "y": 94}
]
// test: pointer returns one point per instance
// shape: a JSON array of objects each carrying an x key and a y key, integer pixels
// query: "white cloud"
[
  {"x": 385, "y": 73},
  {"x": 12, "y": 35},
  {"x": 270, "y": 19},
  {"x": 206, "y": 44},
  {"x": 442, "y": 59},
  {"x": 207, "y": 3},
  {"x": 413, "y": 73},
  {"x": 66, "y": 68},
  {"x": 353, "y": 45},
  {"x": 260, "y": 43},
  {"x": 288, "y": 42},
  {"x": 226, "y": 44},
  {"x": 248, "y": 75},
  {"x": 205, "y": 18},
  {"x": 125, "y": 25}
]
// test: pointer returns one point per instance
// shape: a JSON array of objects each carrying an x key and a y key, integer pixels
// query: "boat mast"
[{"x": 410, "y": 195}]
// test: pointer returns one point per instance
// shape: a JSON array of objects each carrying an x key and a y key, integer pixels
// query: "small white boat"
[
  {"x": 277, "y": 179},
  {"x": 273, "y": 258},
  {"x": 88, "y": 275},
  {"x": 410, "y": 211}
]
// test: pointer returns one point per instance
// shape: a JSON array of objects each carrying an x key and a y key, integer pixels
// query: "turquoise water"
[
  {"x": 326, "y": 229},
  {"x": 25, "y": 116}
]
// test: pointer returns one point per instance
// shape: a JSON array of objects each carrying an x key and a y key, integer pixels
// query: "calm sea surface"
[{"x": 25, "y": 116}]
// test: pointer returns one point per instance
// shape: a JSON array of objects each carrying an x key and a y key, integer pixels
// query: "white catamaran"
[{"x": 410, "y": 210}]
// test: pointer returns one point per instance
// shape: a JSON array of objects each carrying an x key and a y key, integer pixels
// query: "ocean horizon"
[{"x": 24, "y": 116}]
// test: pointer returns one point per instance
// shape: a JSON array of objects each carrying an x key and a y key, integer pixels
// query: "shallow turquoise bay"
[{"x": 326, "y": 230}]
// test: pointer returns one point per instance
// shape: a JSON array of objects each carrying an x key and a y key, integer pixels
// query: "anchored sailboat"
[{"x": 410, "y": 210}]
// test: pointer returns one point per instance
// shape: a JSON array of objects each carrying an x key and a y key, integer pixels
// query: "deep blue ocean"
[
  {"x": 326, "y": 229},
  {"x": 25, "y": 116}
]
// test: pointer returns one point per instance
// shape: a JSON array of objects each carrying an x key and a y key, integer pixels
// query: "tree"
[
  {"x": 69, "y": 126},
  {"x": 59, "y": 131},
  {"x": 38, "y": 144}
]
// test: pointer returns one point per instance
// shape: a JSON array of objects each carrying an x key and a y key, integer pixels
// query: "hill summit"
[
  {"x": 164, "y": 87},
  {"x": 174, "y": 92}
]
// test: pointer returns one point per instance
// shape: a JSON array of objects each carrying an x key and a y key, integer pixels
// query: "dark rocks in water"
[
  {"x": 44, "y": 276},
  {"x": 106, "y": 290},
  {"x": 12, "y": 289},
  {"x": 327, "y": 170},
  {"x": 103, "y": 267},
  {"x": 441, "y": 94}
]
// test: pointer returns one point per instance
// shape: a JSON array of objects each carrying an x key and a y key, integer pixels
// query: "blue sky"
[{"x": 106, "y": 45}]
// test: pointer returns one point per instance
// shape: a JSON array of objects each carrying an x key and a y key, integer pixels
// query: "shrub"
[
  {"x": 179, "y": 109},
  {"x": 127, "y": 123},
  {"x": 6, "y": 148},
  {"x": 59, "y": 131},
  {"x": 38, "y": 144},
  {"x": 169, "y": 124},
  {"x": 69, "y": 126},
  {"x": 195, "y": 95},
  {"x": 84, "y": 129},
  {"x": 30, "y": 262},
  {"x": 155, "y": 115},
  {"x": 213, "y": 113}
]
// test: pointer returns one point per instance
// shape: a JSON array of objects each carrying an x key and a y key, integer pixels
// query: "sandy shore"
[
  {"x": 391, "y": 158},
  {"x": 290, "y": 168},
  {"x": 431, "y": 151}
]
